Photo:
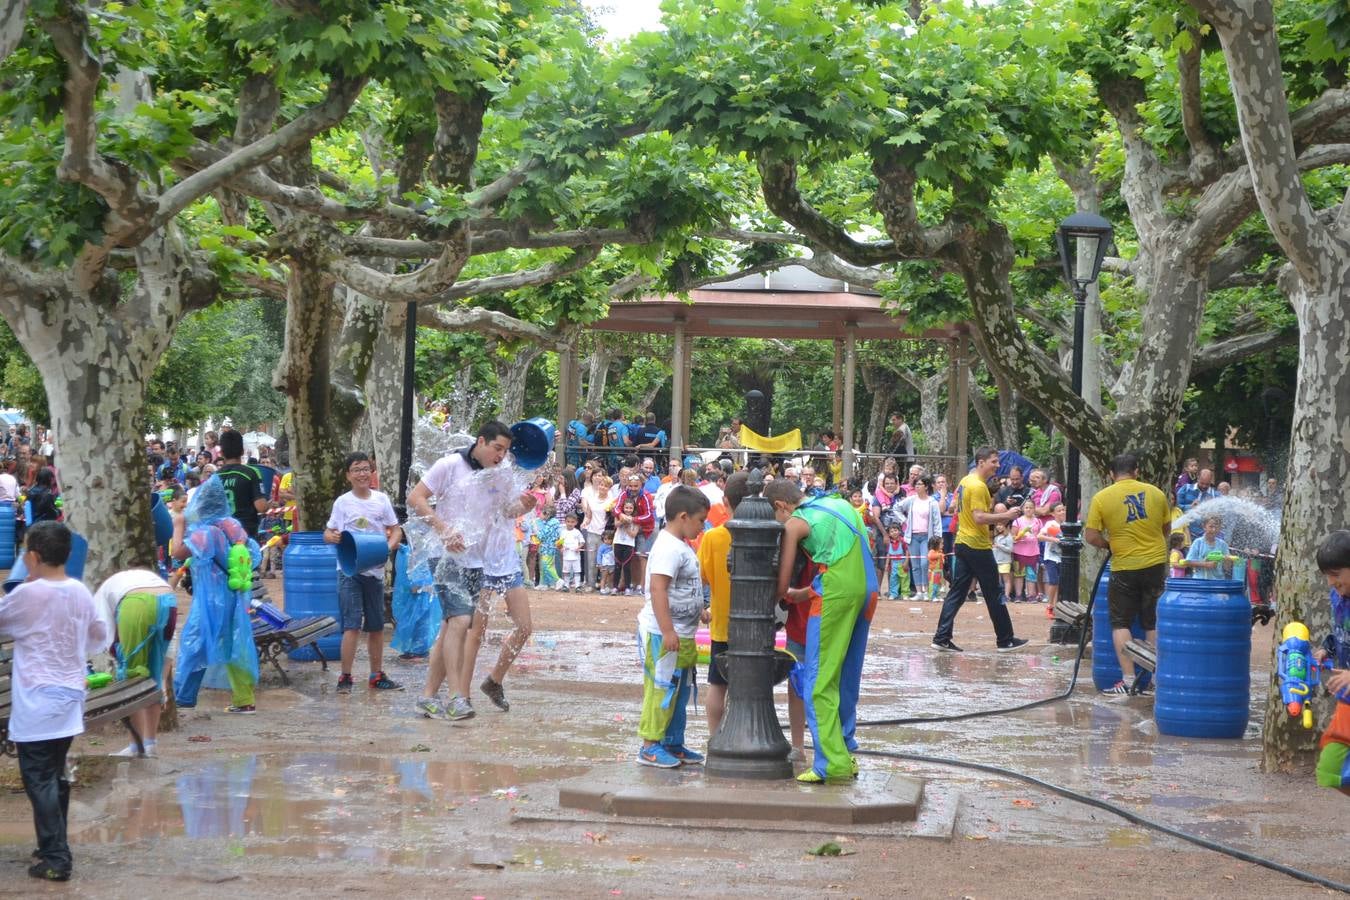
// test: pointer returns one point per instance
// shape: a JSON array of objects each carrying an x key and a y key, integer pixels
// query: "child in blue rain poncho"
[{"x": 218, "y": 637}]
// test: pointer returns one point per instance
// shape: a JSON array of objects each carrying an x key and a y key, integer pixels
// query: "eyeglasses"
[{"x": 360, "y": 470}]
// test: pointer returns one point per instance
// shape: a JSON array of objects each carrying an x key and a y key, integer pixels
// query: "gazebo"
[{"x": 791, "y": 303}]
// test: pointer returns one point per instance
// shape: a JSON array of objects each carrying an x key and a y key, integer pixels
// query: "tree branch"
[
  {"x": 13, "y": 16},
  {"x": 899, "y": 211},
  {"x": 1217, "y": 354},
  {"x": 421, "y": 285},
  {"x": 779, "y": 184},
  {"x": 1204, "y": 155},
  {"x": 486, "y": 321},
  {"x": 490, "y": 195},
  {"x": 342, "y": 93},
  {"x": 545, "y": 274},
  {"x": 81, "y": 162}
]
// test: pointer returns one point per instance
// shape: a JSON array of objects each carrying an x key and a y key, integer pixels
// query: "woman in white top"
[
  {"x": 921, "y": 515},
  {"x": 595, "y": 513}
]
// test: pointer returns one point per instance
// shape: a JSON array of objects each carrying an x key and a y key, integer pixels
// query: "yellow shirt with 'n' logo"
[{"x": 1135, "y": 517}]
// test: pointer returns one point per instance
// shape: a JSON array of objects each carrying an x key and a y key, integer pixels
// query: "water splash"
[
  {"x": 482, "y": 513},
  {"x": 1247, "y": 526}
]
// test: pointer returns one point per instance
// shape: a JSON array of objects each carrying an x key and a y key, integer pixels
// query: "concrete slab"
[{"x": 873, "y": 798}]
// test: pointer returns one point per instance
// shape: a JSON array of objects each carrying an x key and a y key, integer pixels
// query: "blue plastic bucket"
[
  {"x": 162, "y": 518},
  {"x": 532, "y": 442},
  {"x": 361, "y": 550},
  {"x": 79, "y": 549}
]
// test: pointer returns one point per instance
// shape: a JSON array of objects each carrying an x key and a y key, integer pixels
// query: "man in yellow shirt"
[
  {"x": 1132, "y": 520},
  {"x": 712, "y": 560},
  {"x": 975, "y": 557}
]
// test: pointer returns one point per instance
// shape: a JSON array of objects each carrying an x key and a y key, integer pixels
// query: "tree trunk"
[
  {"x": 317, "y": 446},
  {"x": 384, "y": 404},
  {"x": 1319, "y": 470},
  {"x": 982, "y": 411},
  {"x": 881, "y": 385},
  {"x": 512, "y": 373},
  {"x": 95, "y": 374},
  {"x": 597, "y": 375}
]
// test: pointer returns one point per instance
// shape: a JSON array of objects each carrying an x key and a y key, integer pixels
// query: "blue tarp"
[{"x": 1006, "y": 460}]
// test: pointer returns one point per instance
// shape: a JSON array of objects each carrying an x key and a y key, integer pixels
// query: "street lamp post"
[{"x": 1082, "y": 239}]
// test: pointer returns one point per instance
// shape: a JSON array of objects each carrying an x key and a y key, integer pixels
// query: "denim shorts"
[
  {"x": 643, "y": 544},
  {"x": 1051, "y": 571},
  {"x": 457, "y": 588},
  {"x": 361, "y": 602},
  {"x": 500, "y": 584}
]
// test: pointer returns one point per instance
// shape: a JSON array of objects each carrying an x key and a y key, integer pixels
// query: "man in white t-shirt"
[
  {"x": 55, "y": 626},
  {"x": 361, "y": 596},
  {"x": 472, "y": 503}
]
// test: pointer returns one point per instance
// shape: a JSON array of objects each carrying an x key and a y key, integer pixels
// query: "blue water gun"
[{"x": 1299, "y": 671}]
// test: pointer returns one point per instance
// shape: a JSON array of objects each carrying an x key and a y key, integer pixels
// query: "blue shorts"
[
  {"x": 643, "y": 545},
  {"x": 361, "y": 602},
  {"x": 457, "y": 588},
  {"x": 500, "y": 584},
  {"x": 1051, "y": 568}
]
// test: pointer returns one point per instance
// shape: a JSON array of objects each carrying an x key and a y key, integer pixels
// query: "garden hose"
[
  {"x": 1073, "y": 680},
  {"x": 1067, "y": 793}
]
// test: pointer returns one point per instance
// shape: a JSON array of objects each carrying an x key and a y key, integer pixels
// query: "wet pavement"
[{"x": 362, "y": 781}]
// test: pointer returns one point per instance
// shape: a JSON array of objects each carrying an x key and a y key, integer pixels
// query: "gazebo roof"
[{"x": 789, "y": 304}]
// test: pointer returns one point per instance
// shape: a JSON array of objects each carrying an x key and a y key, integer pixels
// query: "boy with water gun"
[{"x": 1333, "y": 763}]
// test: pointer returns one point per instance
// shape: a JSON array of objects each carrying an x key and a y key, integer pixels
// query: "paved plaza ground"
[{"x": 355, "y": 795}]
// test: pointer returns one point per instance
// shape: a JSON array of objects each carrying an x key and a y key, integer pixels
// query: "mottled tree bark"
[
  {"x": 512, "y": 373},
  {"x": 1317, "y": 281},
  {"x": 597, "y": 375},
  {"x": 881, "y": 385}
]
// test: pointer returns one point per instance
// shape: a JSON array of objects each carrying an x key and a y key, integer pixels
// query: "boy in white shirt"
[
  {"x": 667, "y": 625},
  {"x": 572, "y": 542},
  {"x": 56, "y": 627},
  {"x": 361, "y": 596}
]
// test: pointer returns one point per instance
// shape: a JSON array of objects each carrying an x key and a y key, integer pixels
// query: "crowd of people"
[{"x": 617, "y": 525}]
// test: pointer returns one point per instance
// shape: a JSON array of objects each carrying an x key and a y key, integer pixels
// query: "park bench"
[
  {"x": 273, "y": 641},
  {"x": 1144, "y": 654},
  {"x": 107, "y": 704}
]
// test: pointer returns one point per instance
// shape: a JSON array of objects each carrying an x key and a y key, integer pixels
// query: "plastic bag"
[{"x": 417, "y": 619}]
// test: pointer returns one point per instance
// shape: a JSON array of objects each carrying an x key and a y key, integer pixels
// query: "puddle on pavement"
[{"x": 315, "y": 805}]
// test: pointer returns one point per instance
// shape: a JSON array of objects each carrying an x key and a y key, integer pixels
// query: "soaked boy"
[{"x": 1333, "y": 764}]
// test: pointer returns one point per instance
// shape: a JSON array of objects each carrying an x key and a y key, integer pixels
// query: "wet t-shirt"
[
  {"x": 674, "y": 558},
  {"x": 243, "y": 486}
]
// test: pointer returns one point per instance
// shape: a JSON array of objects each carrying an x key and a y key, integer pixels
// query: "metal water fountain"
[{"x": 750, "y": 742}]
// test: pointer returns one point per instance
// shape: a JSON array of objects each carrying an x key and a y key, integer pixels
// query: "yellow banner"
[{"x": 783, "y": 443}]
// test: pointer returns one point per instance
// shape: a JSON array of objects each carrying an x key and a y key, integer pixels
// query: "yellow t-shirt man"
[
  {"x": 973, "y": 494},
  {"x": 712, "y": 559},
  {"x": 1136, "y": 518}
]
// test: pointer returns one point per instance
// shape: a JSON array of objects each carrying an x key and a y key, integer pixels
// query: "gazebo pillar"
[
  {"x": 850, "y": 382},
  {"x": 836, "y": 421},
  {"x": 679, "y": 421},
  {"x": 568, "y": 385}
]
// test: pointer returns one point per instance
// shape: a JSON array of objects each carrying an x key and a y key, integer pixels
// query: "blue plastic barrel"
[
  {"x": 1105, "y": 666},
  {"x": 6, "y": 534},
  {"x": 309, "y": 578},
  {"x": 1204, "y": 653}
]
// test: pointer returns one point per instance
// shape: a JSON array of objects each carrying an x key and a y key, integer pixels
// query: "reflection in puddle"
[{"x": 313, "y": 804}]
